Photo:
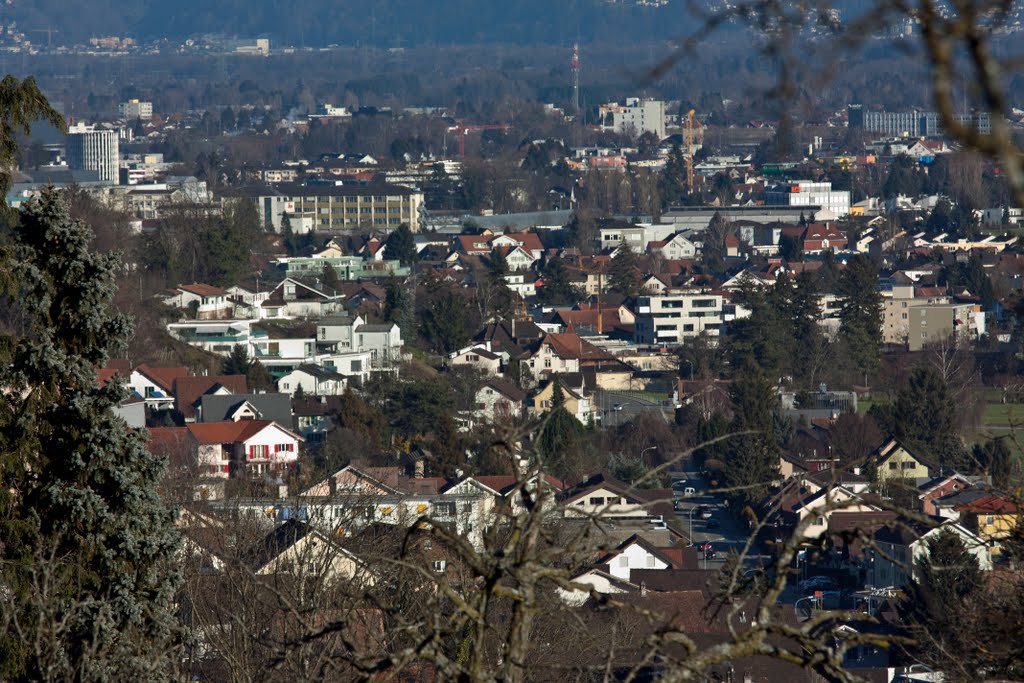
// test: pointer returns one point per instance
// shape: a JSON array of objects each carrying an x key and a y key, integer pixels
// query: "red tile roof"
[
  {"x": 568, "y": 344},
  {"x": 227, "y": 432},
  {"x": 163, "y": 377},
  {"x": 200, "y": 289},
  {"x": 989, "y": 505}
]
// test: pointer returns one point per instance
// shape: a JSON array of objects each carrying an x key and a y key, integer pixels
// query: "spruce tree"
[
  {"x": 623, "y": 273},
  {"x": 752, "y": 457},
  {"x": 86, "y": 545},
  {"x": 401, "y": 245},
  {"x": 860, "y": 327}
]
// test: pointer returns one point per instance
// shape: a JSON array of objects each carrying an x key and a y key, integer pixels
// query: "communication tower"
[{"x": 574, "y": 64}]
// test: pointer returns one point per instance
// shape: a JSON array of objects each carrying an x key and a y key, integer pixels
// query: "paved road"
[
  {"x": 729, "y": 532},
  {"x": 629, "y": 407}
]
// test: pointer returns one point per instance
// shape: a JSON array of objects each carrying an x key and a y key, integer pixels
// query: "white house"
[
  {"x": 384, "y": 342},
  {"x": 155, "y": 385},
  {"x": 306, "y": 298},
  {"x": 674, "y": 248},
  {"x": 314, "y": 381},
  {"x": 477, "y": 357},
  {"x": 899, "y": 549},
  {"x": 499, "y": 400},
  {"x": 247, "y": 447},
  {"x": 209, "y": 302},
  {"x": 354, "y": 365}
]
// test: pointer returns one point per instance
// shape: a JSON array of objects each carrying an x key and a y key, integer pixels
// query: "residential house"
[
  {"x": 299, "y": 549},
  {"x": 207, "y": 302},
  {"x": 235, "y": 407},
  {"x": 499, "y": 400},
  {"x": 894, "y": 461},
  {"x": 354, "y": 365},
  {"x": 935, "y": 323},
  {"x": 305, "y": 298},
  {"x": 236, "y": 449},
  {"x": 155, "y": 385},
  {"x": 674, "y": 317},
  {"x": 635, "y": 553},
  {"x": 189, "y": 390},
  {"x": 610, "y": 498},
  {"x": 674, "y": 248},
  {"x": 477, "y": 357},
  {"x": 578, "y": 405},
  {"x": 384, "y": 342},
  {"x": 313, "y": 417},
  {"x": 940, "y": 487},
  {"x": 565, "y": 352},
  {"x": 818, "y": 238},
  {"x": 313, "y": 380},
  {"x": 992, "y": 517},
  {"x": 901, "y": 546}
]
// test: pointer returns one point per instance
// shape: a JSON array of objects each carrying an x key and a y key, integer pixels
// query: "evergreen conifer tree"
[{"x": 86, "y": 558}]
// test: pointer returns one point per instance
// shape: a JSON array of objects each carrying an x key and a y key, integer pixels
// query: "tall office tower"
[{"x": 90, "y": 149}]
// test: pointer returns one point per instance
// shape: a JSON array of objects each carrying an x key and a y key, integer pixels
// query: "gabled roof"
[
  {"x": 321, "y": 374},
  {"x": 568, "y": 344},
  {"x": 187, "y": 390},
  {"x": 638, "y": 540},
  {"x": 506, "y": 389},
  {"x": 274, "y": 407},
  {"x": 992, "y": 504},
  {"x": 162, "y": 377},
  {"x": 233, "y": 432},
  {"x": 283, "y": 538},
  {"x": 200, "y": 289}
]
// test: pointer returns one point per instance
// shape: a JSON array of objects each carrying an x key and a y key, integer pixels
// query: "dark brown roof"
[{"x": 187, "y": 390}]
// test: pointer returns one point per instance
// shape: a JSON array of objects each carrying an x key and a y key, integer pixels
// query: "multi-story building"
[
  {"x": 134, "y": 109},
  {"x": 805, "y": 193},
  {"x": 338, "y": 208},
  {"x": 915, "y": 124},
  {"x": 673, "y": 317},
  {"x": 638, "y": 116},
  {"x": 896, "y": 312},
  {"x": 934, "y": 323},
  {"x": 90, "y": 149}
]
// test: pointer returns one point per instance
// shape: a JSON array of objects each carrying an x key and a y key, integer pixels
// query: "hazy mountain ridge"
[{"x": 386, "y": 23}]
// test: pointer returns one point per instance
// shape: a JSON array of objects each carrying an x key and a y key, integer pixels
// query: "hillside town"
[{"x": 371, "y": 343}]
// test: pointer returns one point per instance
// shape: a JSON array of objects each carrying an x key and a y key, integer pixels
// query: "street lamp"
[
  {"x": 690, "y": 516},
  {"x": 649, "y": 448},
  {"x": 690, "y": 363}
]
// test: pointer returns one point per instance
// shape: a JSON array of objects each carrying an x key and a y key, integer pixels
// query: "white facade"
[
  {"x": 90, "y": 149},
  {"x": 134, "y": 109},
  {"x": 637, "y": 117},
  {"x": 672, "y": 318},
  {"x": 807, "y": 193},
  {"x": 312, "y": 383}
]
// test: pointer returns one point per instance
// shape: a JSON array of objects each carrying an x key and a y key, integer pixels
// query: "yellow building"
[
  {"x": 992, "y": 517},
  {"x": 894, "y": 461}
]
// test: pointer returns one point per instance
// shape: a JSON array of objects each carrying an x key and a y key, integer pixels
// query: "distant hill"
[{"x": 385, "y": 23}]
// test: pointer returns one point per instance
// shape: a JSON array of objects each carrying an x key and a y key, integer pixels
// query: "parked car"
[
  {"x": 706, "y": 546},
  {"x": 689, "y": 491},
  {"x": 617, "y": 406},
  {"x": 704, "y": 512}
]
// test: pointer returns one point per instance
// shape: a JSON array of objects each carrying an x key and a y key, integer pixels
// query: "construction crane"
[
  {"x": 688, "y": 140},
  {"x": 461, "y": 129},
  {"x": 49, "y": 34},
  {"x": 574, "y": 66}
]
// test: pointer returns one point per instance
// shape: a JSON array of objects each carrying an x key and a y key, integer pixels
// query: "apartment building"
[
  {"x": 135, "y": 109},
  {"x": 896, "y": 311},
  {"x": 933, "y": 323},
  {"x": 913, "y": 124},
  {"x": 636, "y": 117},
  {"x": 338, "y": 208},
  {"x": 92, "y": 149},
  {"x": 674, "y": 317},
  {"x": 807, "y": 194}
]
